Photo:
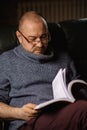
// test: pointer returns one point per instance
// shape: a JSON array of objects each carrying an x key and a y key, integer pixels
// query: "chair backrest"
[
  {"x": 8, "y": 39},
  {"x": 76, "y": 36}
]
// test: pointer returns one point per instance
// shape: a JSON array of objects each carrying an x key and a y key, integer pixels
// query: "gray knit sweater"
[{"x": 26, "y": 77}]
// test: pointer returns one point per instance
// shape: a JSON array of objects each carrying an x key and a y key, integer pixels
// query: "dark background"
[{"x": 52, "y": 10}]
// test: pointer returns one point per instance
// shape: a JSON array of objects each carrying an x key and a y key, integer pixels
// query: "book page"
[
  {"x": 59, "y": 85},
  {"x": 60, "y": 91},
  {"x": 75, "y": 86},
  {"x": 50, "y": 102}
]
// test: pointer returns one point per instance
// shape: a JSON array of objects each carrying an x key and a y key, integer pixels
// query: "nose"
[{"x": 39, "y": 42}]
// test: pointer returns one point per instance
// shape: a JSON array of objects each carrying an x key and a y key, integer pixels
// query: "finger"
[{"x": 31, "y": 105}]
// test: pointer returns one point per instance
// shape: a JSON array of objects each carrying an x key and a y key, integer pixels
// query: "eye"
[
  {"x": 44, "y": 36},
  {"x": 32, "y": 38}
]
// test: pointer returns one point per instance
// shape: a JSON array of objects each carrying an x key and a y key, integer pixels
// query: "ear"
[{"x": 19, "y": 36}]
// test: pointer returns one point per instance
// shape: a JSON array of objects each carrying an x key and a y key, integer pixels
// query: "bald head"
[
  {"x": 31, "y": 17},
  {"x": 33, "y": 33}
]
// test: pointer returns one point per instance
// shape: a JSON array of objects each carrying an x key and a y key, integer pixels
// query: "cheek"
[{"x": 27, "y": 46}]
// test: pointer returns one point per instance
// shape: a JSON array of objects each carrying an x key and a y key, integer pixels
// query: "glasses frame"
[{"x": 44, "y": 39}]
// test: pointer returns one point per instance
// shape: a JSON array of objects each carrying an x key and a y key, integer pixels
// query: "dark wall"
[
  {"x": 52, "y": 10},
  {"x": 8, "y": 11}
]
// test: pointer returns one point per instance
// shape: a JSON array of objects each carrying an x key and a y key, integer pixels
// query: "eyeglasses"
[{"x": 33, "y": 39}]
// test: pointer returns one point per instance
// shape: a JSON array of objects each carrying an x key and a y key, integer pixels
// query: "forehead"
[{"x": 34, "y": 27}]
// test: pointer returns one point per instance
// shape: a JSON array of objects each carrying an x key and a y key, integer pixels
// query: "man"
[{"x": 26, "y": 75}]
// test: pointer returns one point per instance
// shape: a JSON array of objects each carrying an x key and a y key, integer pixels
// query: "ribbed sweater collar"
[{"x": 34, "y": 57}]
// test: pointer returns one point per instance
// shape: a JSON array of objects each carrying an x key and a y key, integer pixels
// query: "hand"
[{"x": 27, "y": 112}]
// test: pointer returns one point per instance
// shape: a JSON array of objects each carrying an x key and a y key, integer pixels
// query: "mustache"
[{"x": 39, "y": 48}]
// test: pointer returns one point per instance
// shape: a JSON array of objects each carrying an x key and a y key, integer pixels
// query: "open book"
[{"x": 64, "y": 92}]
